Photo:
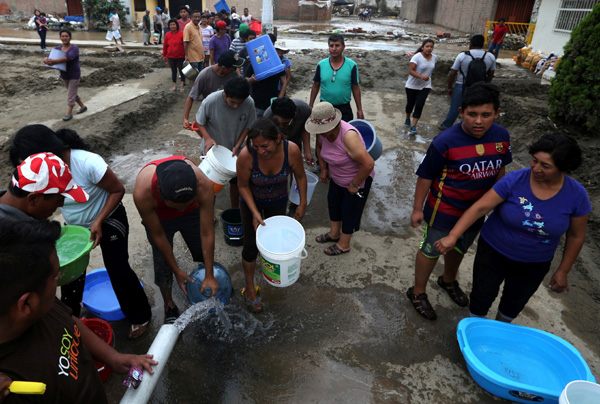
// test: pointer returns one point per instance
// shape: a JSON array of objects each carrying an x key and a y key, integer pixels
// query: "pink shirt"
[{"x": 341, "y": 167}]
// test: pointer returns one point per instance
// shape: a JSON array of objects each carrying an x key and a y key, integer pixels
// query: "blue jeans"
[
  {"x": 198, "y": 65},
  {"x": 495, "y": 49},
  {"x": 455, "y": 103}
]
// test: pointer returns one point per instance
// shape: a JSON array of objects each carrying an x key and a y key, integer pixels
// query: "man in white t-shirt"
[
  {"x": 115, "y": 26},
  {"x": 247, "y": 18},
  {"x": 459, "y": 72}
]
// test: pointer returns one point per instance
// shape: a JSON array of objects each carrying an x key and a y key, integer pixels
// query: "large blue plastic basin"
[
  {"x": 519, "y": 363},
  {"x": 99, "y": 296}
]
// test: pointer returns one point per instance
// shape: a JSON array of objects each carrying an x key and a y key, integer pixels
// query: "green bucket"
[{"x": 73, "y": 248}]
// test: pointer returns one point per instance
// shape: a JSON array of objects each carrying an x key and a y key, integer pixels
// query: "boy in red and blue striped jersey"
[{"x": 461, "y": 164}]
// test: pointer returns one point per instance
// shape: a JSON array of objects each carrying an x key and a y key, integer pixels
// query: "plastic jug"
[{"x": 224, "y": 291}]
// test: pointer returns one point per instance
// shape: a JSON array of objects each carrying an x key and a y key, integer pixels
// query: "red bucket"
[
  {"x": 256, "y": 26},
  {"x": 102, "y": 329}
]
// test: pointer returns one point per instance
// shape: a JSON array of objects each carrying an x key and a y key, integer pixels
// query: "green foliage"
[
  {"x": 99, "y": 10},
  {"x": 575, "y": 91}
]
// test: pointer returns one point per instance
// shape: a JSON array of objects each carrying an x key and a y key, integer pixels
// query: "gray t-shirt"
[
  {"x": 462, "y": 61},
  {"x": 207, "y": 82},
  {"x": 223, "y": 123},
  {"x": 8, "y": 212},
  {"x": 294, "y": 131}
]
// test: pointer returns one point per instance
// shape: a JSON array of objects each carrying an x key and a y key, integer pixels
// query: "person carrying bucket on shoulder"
[
  {"x": 263, "y": 168},
  {"x": 173, "y": 195}
]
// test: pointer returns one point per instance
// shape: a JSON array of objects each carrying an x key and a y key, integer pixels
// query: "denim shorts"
[{"x": 432, "y": 235}]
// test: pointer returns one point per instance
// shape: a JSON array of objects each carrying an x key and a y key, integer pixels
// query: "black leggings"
[
  {"x": 416, "y": 99},
  {"x": 176, "y": 64}
]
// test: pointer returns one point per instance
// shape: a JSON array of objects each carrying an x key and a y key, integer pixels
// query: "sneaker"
[
  {"x": 407, "y": 123},
  {"x": 171, "y": 314},
  {"x": 413, "y": 130}
]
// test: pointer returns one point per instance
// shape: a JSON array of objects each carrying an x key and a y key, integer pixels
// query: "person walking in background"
[
  {"x": 532, "y": 209},
  {"x": 174, "y": 53},
  {"x": 461, "y": 164},
  {"x": 418, "y": 84},
  {"x": 343, "y": 158},
  {"x": 337, "y": 79},
  {"x": 263, "y": 169},
  {"x": 166, "y": 18},
  {"x": 41, "y": 28},
  {"x": 207, "y": 33},
  {"x": 462, "y": 65},
  {"x": 500, "y": 31},
  {"x": 103, "y": 214},
  {"x": 157, "y": 20},
  {"x": 115, "y": 27},
  {"x": 192, "y": 42},
  {"x": 247, "y": 18},
  {"x": 71, "y": 75},
  {"x": 219, "y": 43},
  {"x": 147, "y": 28},
  {"x": 184, "y": 17}
]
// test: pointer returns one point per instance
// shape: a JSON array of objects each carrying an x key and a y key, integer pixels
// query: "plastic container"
[
  {"x": 519, "y": 363},
  {"x": 221, "y": 5},
  {"x": 219, "y": 166},
  {"x": 281, "y": 246},
  {"x": 103, "y": 330},
  {"x": 311, "y": 182},
  {"x": 232, "y": 227},
  {"x": 256, "y": 26},
  {"x": 99, "y": 297},
  {"x": 580, "y": 392},
  {"x": 223, "y": 293},
  {"x": 73, "y": 248},
  {"x": 369, "y": 135},
  {"x": 264, "y": 58}
]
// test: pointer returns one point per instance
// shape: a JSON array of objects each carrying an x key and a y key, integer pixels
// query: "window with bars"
[
  {"x": 571, "y": 12},
  {"x": 139, "y": 5}
]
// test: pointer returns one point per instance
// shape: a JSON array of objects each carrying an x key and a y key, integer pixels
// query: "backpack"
[{"x": 476, "y": 72}]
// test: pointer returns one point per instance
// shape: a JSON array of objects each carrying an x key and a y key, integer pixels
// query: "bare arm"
[
  {"x": 243, "y": 169},
  {"x": 490, "y": 76},
  {"x": 239, "y": 142},
  {"x": 357, "y": 152},
  {"x": 284, "y": 83},
  {"x": 116, "y": 190},
  {"x": 575, "y": 237},
  {"x": 288, "y": 74},
  {"x": 297, "y": 166},
  {"x": 314, "y": 91},
  {"x": 208, "y": 140},
  {"x": 306, "y": 146},
  {"x": 412, "y": 70},
  {"x": 323, "y": 177},
  {"x": 186, "y": 111},
  {"x": 212, "y": 56},
  {"x": 186, "y": 44},
  {"x": 421, "y": 191},
  {"x": 357, "y": 99},
  {"x": 450, "y": 81}
]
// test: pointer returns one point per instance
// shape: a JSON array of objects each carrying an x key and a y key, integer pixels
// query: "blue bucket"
[
  {"x": 99, "y": 297},
  {"x": 222, "y": 276},
  {"x": 367, "y": 131},
  {"x": 221, "y": 5},
  {"x": 264, "y": 58}
]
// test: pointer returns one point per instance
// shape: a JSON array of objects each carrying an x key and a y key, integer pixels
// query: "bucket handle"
[{"x": 304, "y": 254}]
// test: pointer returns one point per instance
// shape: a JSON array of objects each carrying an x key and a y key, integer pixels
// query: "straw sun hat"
[{"x": 324, "y": 117}]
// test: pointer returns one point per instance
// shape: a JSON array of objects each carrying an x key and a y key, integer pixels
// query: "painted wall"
[
  {"x": 47, "y": 6},
  {"x": 468, "y": 16},
  {"x": 545, "y": 38}
]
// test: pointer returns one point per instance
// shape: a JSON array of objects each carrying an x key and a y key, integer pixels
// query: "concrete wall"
[
  {"x": 409, "y": 10},
  {"x": 545, "y": 38},
  {"x": 314, "y": 11},
  {"x": 286, "y": 10},
  {"x": 47, "y": 6},
  {"x": 468, "y": 16}
]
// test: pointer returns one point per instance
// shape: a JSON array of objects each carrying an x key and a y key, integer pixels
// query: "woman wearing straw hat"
[{"x": 342, "y": 154}]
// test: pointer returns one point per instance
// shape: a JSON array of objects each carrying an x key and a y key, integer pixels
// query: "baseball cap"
[
  {"x": 176, "y": 181},
  {"x": 221, "y": 24},
  {"x": 158, "y": 9},
  {"x": 230, "y": 59},
  {"x": 46, "y": 173}
]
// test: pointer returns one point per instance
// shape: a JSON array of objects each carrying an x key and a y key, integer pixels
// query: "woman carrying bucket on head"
[
  {"x": 263, "y": 168},
  {"x": 343, "y": 157}
]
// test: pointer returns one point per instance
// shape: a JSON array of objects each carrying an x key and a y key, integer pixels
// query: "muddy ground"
[{"x": 134, "y": 118}]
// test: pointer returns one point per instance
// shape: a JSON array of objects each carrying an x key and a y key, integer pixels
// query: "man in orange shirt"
[{"x": 192, "y": 42}]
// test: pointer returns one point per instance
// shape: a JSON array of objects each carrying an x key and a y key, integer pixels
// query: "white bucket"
[
  {"x": 311, "y": 183},
  {"x": 580, "y": 392},
  {"x": 281, "y": 245},
  {"x": 219, "y": 166}
]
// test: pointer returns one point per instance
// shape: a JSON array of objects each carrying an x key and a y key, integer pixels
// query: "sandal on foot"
[
  {"x": 335, "y": 250},
  {"x": 81, "y": 110},
  {"x": 421, "y": 304},
  {"x": 454, "y": 291},
  {"x": 326, "y": 238},
  {"x": 137, "y": 330},
  {"x": 171, "y": 314},
  {"x": 67, "y": 117},
  {"x": 253, "y": 306}
]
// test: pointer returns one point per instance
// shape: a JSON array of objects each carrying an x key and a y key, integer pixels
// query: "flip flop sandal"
[
  {"x": 454, "y": 291},
  {"x": 137, "y": 330},
  {"x": 334, "y": 250},
  {"x": 67, "y": 117},
  {"x": 81, "y": 110},
  {"x": 421, "y": 304},
  {"x": 253, "y": 306},
  {"x": 326, "y": 238}
]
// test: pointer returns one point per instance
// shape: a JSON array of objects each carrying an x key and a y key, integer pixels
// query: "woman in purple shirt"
[
  {"x": 533, "y": 208},
  {"x": 72, "y": 74}
]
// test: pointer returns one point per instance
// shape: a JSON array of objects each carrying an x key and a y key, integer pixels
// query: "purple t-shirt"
[
  {"x": 220, "y": 45},
  {"x": 527, "y": 229},
  {"x": 73, "y": 70}
]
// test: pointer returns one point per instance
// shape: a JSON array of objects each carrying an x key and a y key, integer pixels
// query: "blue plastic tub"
[
  {"x": 221, "y": 5},
  {"x": 264, "y": 58},
  {"x": 99, "y": 296},
  {"x": 367, "y": 131},
  {"x": 519, "y": 363}
]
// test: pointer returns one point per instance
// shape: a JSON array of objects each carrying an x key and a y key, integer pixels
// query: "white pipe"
[{"x": 161, "y": 349}]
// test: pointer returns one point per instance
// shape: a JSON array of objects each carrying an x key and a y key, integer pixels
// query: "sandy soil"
[{"x": 135, "y": 117}]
